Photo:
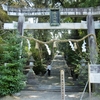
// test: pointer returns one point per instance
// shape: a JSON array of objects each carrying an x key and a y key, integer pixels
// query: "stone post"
[
  {"x": 92, "y": 45},
  {"x": 91, "y": 40},
  {"x": 21, "y": 21}
]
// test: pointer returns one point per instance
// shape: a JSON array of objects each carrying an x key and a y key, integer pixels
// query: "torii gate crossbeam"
[
  {"x": 13, "y": 11},
  {"x": 71, "y": 26}
]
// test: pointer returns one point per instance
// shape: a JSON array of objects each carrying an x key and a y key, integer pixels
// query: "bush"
[
  {"x": 39, "y": 68},
  {"x": 10, "y": 79},
  {"x": 11, "y": 67}
]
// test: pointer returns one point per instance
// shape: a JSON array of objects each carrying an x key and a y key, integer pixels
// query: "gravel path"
[{"x": 44, "y": 95}]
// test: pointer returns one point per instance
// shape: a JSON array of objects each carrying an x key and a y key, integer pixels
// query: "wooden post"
[{"x": 62, "y": 77}]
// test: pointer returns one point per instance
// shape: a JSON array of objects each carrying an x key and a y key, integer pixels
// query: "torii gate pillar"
[
  {"x": 92, "y": 46},
  {"x": 92, "y": 42},
  {"x": 21, "y": 21}
]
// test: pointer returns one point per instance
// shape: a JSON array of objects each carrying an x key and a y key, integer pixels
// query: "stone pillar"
[
  {"x": 91, "y": 40},
  {"x": 21, "y": 21},
  {"x": 92, "y": 45}
]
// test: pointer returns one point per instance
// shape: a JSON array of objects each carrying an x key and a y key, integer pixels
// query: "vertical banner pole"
[{"x": 62, "y": 77}]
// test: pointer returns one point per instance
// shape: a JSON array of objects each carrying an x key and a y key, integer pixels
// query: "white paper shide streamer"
[
  {"x": 84, "y": 46},
  {"x": 72, "y": 46},
  {"x": 48, "y": 49},
  {"x": 29, "y": 45}
]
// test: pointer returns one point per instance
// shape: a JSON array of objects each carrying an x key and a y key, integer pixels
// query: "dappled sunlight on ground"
[
  {"x": 74, "y": 95},
  {"x": 45, "y": 95}
]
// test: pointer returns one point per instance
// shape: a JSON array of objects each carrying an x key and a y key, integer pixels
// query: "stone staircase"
[
  {"x": 52, "y": 83},
  {"x": 58, "y": 63}
]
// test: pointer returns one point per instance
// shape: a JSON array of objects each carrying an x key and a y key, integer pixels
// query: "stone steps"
[
  {"x": 58, "y": 64},
  {"x": 52, "y": 83},
  {"x": 54, "y": 88}
]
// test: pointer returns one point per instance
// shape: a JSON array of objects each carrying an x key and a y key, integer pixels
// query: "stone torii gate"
[
  {"x": 75, "y": 12},
  {"x": 90, "y": 25}
]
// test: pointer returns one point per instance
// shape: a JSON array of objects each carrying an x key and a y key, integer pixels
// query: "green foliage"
[
  {"x": 98, "y": 46},
  {"x": 10, "y": 79},
  {"x": 3, "y": 16},
  {"x": 11, "y": 68},
  {"x": 39, "y": 68},
  {"x": 74, "y": 61}
]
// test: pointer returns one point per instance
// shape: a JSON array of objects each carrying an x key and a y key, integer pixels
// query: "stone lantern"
[
  {"x": 31, "y": 74},
  {"x": 31, "y": 64}
]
